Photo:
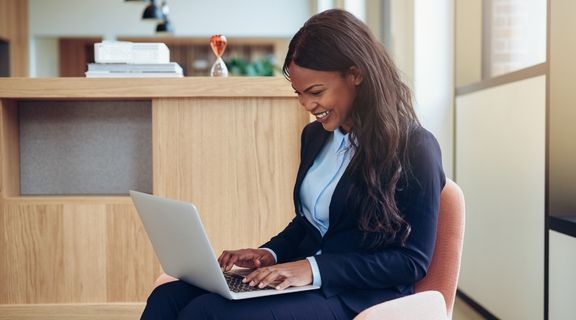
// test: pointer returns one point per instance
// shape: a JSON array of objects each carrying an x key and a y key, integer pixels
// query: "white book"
[
  {"x": 108, "y": 74},
  {"x": 129, "y": 52},
  {"x": 136, "y": 67}
]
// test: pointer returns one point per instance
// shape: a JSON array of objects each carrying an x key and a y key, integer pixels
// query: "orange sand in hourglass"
[{"x": 218, "y": 43}]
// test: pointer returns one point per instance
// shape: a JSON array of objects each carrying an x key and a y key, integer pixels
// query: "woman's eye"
[{"x": 316, "y": 93}]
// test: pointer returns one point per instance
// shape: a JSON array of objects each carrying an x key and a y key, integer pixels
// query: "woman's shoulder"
[
  {"x": 425, "y": 155},
  {"x": 314, "y": 131},
  {"x": 313, "y": 127},
  {"x": 421, "y": 137}
]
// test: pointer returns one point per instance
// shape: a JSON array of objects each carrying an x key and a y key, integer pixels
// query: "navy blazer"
[{"x": 359, "y": 277}]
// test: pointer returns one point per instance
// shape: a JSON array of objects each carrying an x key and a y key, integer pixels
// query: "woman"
[{"x": 366, "y": 195}]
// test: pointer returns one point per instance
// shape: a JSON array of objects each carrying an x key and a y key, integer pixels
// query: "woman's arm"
[{"x": 297, "y": 240}]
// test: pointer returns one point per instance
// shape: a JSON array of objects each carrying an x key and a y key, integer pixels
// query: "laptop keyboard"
[{"x": 236, "y": 285}]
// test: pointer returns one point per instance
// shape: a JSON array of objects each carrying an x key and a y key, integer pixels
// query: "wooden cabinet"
[
  {"x": 193, "y": 54},
  {"x": 230, "y": 145},
  {"x": 75, "y": 54}
]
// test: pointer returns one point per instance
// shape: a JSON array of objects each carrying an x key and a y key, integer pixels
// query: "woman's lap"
[{"x": 178, "y": 300}]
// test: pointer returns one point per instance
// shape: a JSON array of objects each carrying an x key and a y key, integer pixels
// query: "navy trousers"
[{"x": 179, "y": 300}]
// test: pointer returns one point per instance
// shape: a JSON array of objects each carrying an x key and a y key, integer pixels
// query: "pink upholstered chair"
[
  {"x": 435, "y": 294},
  {"x": 162, "y": 279}
]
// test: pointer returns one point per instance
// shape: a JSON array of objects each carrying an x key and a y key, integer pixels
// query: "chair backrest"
[{"x": 443, "y": 273}]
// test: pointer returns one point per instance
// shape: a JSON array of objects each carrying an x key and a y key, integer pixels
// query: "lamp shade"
[
  {"x": 153, "y": 12},
  {"x": 165, "y": 27}
]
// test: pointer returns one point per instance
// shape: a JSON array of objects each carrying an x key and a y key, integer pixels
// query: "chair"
[{"x": 435, "y": 294}]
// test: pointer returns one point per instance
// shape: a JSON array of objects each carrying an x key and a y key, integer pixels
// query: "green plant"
[{"x": 241, "y": 67}]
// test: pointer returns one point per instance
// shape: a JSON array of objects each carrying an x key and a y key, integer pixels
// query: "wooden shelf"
[{"x": 144, "y": 88}]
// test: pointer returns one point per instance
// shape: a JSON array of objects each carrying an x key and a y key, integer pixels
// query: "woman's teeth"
[{"x": 322, "y": 115}]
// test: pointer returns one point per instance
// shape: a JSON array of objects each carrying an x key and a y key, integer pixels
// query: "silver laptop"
[{"x": 182, "y": 246}]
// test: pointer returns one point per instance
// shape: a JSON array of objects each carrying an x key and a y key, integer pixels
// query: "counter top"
[{"x": 71, "y": 88}]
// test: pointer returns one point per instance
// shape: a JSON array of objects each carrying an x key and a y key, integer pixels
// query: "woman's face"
[{"x": 327, "y": 95}]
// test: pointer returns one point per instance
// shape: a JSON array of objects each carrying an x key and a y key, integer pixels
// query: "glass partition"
[{"x": 514, "y": 35}]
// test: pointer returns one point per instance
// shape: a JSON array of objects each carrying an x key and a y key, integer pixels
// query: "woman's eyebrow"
[{"x": 308, "y": 88}]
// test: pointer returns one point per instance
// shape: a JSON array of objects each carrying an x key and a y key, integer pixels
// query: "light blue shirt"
[
  {"x": 318, "y": 187},
  {"x": 321, "y": 180},
  {"x": 319, "y": 184}
]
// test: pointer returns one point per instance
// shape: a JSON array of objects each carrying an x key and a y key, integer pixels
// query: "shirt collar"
[{"x": 340, "y": 141}]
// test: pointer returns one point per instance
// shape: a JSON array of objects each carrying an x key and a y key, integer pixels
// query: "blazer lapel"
[{"x": 315, "y": 140}]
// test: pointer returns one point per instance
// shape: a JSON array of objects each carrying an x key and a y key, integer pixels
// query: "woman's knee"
[{"x": 171, "y": 297}]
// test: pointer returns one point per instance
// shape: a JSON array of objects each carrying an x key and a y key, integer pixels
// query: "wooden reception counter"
[{"x": 71, "y": 148}]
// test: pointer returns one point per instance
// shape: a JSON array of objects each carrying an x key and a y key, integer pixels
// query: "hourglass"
[{"x": 218, "y": 43}]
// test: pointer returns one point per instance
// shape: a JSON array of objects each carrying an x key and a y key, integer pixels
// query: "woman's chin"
[{"x": 329, "y": 126}]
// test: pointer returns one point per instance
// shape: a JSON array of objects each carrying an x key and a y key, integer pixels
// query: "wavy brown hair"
[{"x": 382, "y": 115}]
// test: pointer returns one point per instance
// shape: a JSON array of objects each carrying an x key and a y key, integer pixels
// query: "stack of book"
[
  {"x": 127, "y": 59},
  {"x": 120, "y": 70}
]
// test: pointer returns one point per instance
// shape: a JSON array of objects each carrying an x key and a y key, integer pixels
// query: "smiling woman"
[{"x": 366, "y": 195}]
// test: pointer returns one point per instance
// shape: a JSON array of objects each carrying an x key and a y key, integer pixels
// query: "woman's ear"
[{"x": 356, "y": 75}]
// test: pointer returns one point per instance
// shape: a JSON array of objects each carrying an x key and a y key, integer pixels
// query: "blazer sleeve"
[
  {"x": 294, "y": 242},
  {"x": 397, "y": 265}
]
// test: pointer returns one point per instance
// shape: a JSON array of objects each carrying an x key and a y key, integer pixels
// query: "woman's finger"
[
  {"x": 272, "y": 278},
  {"x": 283, "y": 284}
]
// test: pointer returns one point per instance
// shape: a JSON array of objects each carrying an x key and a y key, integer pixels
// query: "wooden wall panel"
[
  {"x": 75, "y": 251},
  {"x": 32, "y": 256},
  {"x": 14, "y": 28},
  {"x": 236, "y": 159},
  {"x": 131, "y": 263},
  {"x": 84, "y": 253},
  {"x": 75, "y": 54},
  {"x": 9, "y": 149}
]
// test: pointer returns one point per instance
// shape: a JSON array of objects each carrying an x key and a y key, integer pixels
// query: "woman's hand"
[
  {"x": 245, "y": 258},
  {"x": 281, "y": 276}
]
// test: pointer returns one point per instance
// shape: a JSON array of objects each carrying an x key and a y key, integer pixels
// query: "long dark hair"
[{"x": 382, "y": 115}]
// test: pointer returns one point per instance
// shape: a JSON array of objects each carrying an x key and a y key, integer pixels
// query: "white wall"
[
  {"x": 468, "y": 34},
  {"x": 109, "y": 18},
  {"x": 562, "y": 175},
  {"x": 562, "y": 157},
  {"x": 500, "y": 154},
  {"x": 50, "y": 19},
  {"x": 422, "y": 48},
  {"x": 434, "y": 72},
  {"x": 562, "y": 277}
]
